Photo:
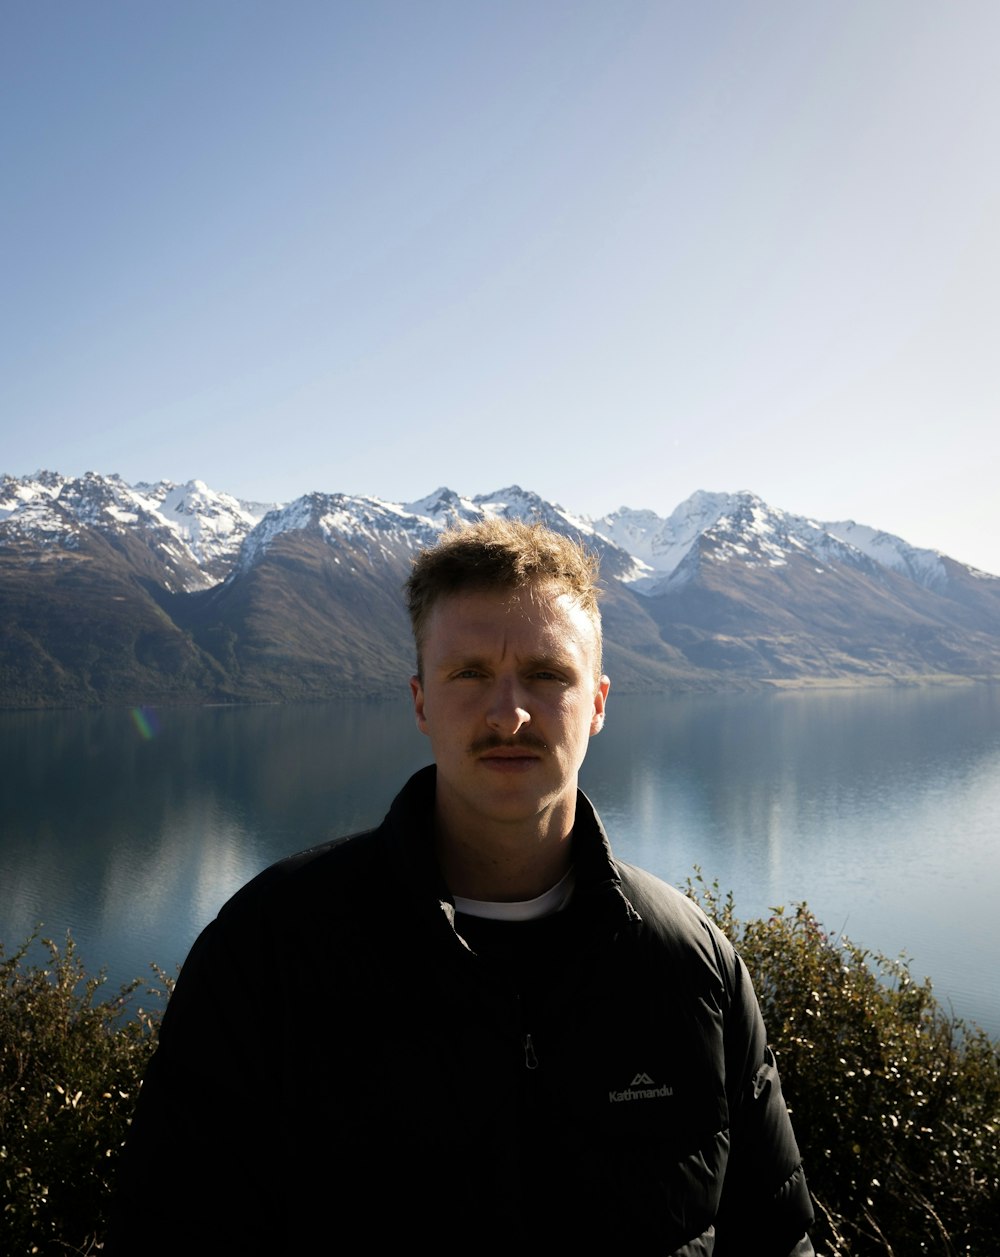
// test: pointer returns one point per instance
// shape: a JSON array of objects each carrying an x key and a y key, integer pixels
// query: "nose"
[{"x": 506, "y": 713}]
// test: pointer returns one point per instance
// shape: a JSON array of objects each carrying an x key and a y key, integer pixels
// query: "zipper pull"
[{"x": 530, "y": 1059}]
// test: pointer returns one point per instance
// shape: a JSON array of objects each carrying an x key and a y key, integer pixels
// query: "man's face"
[{"x": 509, "y": 698}]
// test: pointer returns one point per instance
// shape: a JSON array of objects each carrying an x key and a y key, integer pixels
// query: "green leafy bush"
[
  {"x": 896, "y": 1105},
  {"x": 70, "y": 1067}
]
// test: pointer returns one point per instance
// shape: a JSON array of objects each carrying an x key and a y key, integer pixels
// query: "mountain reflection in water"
[{"x": 880, "y": 808}]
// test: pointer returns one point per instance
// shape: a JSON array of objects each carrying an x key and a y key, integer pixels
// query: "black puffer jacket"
[{"x": 337, "y": 1060}]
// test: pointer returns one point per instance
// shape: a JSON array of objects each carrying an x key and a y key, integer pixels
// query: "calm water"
[{"x": 880, "y": 809}]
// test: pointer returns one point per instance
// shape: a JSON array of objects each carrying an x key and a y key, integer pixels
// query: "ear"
[
  {"x": 600, "y": 698},
  {"x": 417, "y": 690}
]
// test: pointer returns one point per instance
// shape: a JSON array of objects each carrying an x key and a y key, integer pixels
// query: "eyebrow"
[{"x": 560, "y": 662}]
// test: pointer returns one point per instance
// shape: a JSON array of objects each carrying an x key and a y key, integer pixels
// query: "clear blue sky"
[{"x": 614, "y": 252}]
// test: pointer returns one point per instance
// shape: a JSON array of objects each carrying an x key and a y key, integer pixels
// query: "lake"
[{"x": 879, "y": 808}]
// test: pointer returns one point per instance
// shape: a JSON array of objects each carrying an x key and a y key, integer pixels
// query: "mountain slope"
[
  {"x": 160, "y": 593},
  {"x": 768, "y": 596},
  {"x": 79, "y": 627},
  {"x": 313, "y": 608}
]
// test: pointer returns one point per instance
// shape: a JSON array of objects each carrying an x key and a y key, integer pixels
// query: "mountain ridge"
[{"x": 160, "y": 592}]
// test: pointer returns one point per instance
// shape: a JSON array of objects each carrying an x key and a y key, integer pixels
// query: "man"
[{"x": 471, "y": 1026}]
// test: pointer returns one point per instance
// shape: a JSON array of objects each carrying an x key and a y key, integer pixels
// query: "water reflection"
[
  {"x": 135, "y": 842},
  {"x": 880, "y": 808}
]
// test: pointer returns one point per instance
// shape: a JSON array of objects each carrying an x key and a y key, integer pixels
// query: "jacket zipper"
[{"x": 530, "y": 1059}]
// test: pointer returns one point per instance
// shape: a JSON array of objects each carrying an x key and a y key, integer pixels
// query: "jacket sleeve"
[
  {"x": 766, "y": 1207},
  {"x": 191, "y": 1174}
]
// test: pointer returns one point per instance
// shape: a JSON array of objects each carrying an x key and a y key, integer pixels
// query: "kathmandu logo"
[{"x": 642, "y": 1087}]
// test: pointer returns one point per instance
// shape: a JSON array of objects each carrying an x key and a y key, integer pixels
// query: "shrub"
[
  {"x": 896, "y": 1105},
  {"x": 70, "y": 1067}
]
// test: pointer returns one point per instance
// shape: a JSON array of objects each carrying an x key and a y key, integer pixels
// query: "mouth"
[{"x": 506, "y": 760}]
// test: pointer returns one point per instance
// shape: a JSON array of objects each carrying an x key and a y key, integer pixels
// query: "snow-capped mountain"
[
  {"x": 158, "y": 591},
  {"x": 194, "y": 532},
  {"x": 377, "y": 528},
  {"x": 202, "y": 531},
  {"x": 925, "y": 567},
  {"x": 660, "y": 544},
  {"x": 373, "y": 527},
  {"x": 211, "y": 524},
  {"x": 743, "y": 528}
]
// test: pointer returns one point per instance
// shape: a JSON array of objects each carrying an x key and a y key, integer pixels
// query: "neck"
[{"x": 502, "y": 866}]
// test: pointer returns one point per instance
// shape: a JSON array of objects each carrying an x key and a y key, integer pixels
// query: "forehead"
[{"x": 538, "y": 619}]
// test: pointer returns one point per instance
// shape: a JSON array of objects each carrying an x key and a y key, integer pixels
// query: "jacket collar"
[{"x": 410, "y": 832}]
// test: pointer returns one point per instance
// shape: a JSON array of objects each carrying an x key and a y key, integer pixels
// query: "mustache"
[{"x": 526, "y": 740}]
